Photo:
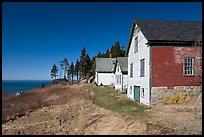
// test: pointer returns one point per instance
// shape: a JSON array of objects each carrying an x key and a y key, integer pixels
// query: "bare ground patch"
[{"x": 73, "y": 112}]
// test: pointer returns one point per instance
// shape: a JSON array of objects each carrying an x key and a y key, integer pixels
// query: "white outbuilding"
[
  {"x": 121, "y": 74},
  {"x": 104, "y": 71}
]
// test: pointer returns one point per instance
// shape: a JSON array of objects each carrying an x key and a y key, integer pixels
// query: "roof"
[
  {"x": 105, "y": 64},
  {"x": 123, "y": 62},
  {"x": 168, "y": 30}
]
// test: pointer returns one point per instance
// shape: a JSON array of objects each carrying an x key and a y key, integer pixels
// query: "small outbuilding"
[
  {"x": 104, "y": 71},
  {"x": 121, "y": 74}
]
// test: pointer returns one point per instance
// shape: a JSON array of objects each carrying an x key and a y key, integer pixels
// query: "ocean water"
[{"x": 14, "y": 86}]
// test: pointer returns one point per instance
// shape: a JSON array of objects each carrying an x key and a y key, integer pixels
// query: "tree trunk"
[
  {"x": 65, "y": 73},
  {"x": 72, "y": 77},
  {"x": 60, "y": 73}
]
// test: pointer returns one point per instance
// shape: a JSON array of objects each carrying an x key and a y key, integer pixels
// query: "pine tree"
[
  {"x": 117, "y": 49},
  {"x": 54, "y": 71},
  {"x": 82, "y": 63},
  {"x": 65, "y": 63},
  {"x": 107, "y": 54},
  {"x": 77, "y": 68},
  {"x": 87, "y": 66},
  {"x": 92, "y": 64},
  {"x": 71, "y": 71},
  {"x": 113, "y": 52},
  {"x": 61, "y": 67},
  {"x": 98, "y": 55}
]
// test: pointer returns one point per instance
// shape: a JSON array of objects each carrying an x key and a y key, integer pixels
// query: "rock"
[
  {"x": 7, "y": 118},
  {"x": 83, "y": 81},
  {"x": 18, "y": 93},
  {"x": 199, "y": 100},
  {"x": 91, "y": 79},
  {"x": 17, "y": 114}
]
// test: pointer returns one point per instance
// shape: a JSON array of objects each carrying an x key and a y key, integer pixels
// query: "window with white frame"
[
  {"x": 130, "y": 89},
  {"x": 142, "y": 92},
  {"x": 136, "y": 45},
  {"x": 131, "y": 70},
  {"x": 189, "y": 66},
  {"x": 142, "y": 67}
]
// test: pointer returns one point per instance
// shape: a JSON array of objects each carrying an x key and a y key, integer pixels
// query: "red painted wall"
[{"x": 167, "y": 66}]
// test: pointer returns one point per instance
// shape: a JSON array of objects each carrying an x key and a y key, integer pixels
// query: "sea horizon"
[
  {"x": 13, "y": 86},
  {"x": 26, "y": 79}
]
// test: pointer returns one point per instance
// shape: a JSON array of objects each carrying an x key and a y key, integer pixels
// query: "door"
[{"x": 137, "y": 93}]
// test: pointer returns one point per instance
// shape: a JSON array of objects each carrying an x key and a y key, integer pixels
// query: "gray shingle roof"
[
  {"x": 123, "y": 62},
  {"x": 105, "y": 64},
  {"x": 170, "y": 30}
]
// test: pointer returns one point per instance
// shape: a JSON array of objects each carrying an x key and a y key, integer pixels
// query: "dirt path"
[{"x": 78, "y": 115}]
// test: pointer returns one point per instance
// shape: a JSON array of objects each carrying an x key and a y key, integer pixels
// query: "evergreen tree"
[
  {"x": 107, "y": 54},
  {"x": 77, "y": 68},
  {"x": 54, "y": 71},
  {"x": 65, "y": 63},
  {"x": 71, "y": 71},
  {"x": 123, "y": 52},
  {"x": 61, "y": 67},
  {"x": 87, "y": 66},
  {"x": 82, "y": 65},
  {"x": 113, "y": 51},
  {"x": 92, "y": 64},
  {"x": 117, "y": 49},
  {"x": 98, "y": 55}
]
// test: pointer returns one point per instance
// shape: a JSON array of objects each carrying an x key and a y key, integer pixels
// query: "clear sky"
[{"x": 36, "y": 35}]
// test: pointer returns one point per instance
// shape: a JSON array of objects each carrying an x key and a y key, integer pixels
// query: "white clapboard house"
[
  {"x": 104, "y": 72},
  {"x": 121, "y": 74}
]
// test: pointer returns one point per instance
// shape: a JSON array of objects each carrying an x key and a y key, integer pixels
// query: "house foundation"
[{"x": 179, "y": 94}]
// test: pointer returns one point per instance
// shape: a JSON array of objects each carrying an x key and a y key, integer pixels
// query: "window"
[
  {"x": 118, "y": 79},
  {"x": 131, "y": 70},
  {"x": 130, "y": 89},
  {"x": 136, "y": 45},
  {"x": 142, "y": 92},
  {"x": 142, "y": 67},
  {"x": 189, "y": 66},
  {"x": 118, "y": 69}
]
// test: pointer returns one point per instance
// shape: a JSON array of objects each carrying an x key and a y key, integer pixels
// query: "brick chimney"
[{"x": 110, "y": 55}]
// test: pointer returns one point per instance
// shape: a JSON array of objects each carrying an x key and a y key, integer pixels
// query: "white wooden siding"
[
  {"x": 105, "y": 78},
  {"x": 143, "y": 53},
  {"x": 123, "y": 85}
]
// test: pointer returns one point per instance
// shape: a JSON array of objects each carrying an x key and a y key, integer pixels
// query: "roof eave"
[
  {"x": 130, "y": 38},
  {"x": 164, "y": 42}
]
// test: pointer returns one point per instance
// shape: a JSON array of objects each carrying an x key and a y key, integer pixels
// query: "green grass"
[{"x": 108, "y": 98}]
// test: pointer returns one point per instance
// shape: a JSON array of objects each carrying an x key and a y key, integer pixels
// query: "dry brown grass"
[{"x": 16, "y": 106}]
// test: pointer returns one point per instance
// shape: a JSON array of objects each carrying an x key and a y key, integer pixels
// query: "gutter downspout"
[
  {"x": 122, "y": 81},
  {"x": 150, "y": 74}
]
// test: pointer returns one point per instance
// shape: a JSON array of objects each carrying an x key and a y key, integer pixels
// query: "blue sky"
[{"x": 36, "y": 35}]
